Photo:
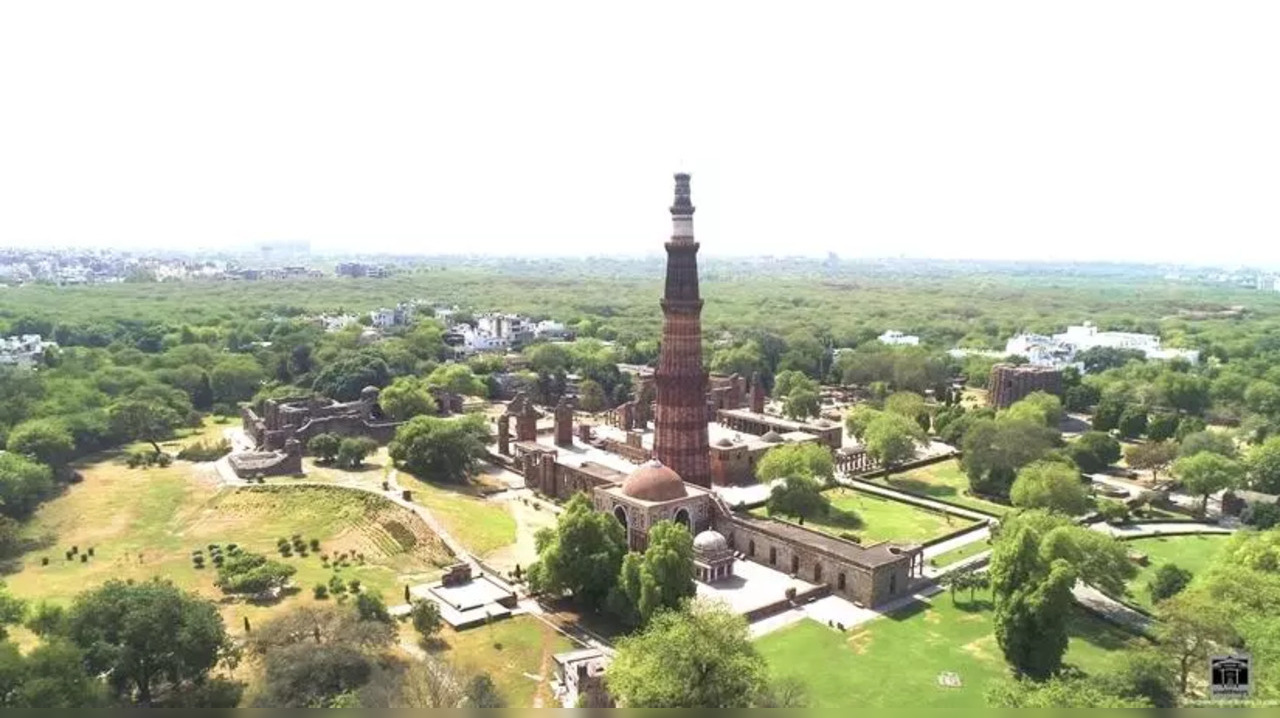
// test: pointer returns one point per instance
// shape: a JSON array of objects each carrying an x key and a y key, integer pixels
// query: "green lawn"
[
  {"x": 510, "y": 652},
  {"x": 959, "y": 554},
  {"x": 144, "y": 523},
  {"x": 874, "y": 519},
  {"x": 1193, "y": 553},
  {"x": 482, "y": 526},
  {"x": 944, "y": 480},
  {"x": 896, "y": 660}
]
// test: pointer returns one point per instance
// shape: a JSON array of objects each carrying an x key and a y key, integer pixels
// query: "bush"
[
  {"x": 320, "y": 591},
  {"x": 426, "y": 618},
  {"x": 205, "y": 451},
  {"x": 354, "y": 585},
  {"x": 315, "y": 544},
  {"x": 353, "y": 450},
  {"x": 336, "y": 585},
  {"x": 1261, "y": 516},
  {"x": 252, "y": 573},
  {"x": 371, "y": 607},
  {"x": 1113, "y": 512},
  {"x": 1168, "y": 582}
]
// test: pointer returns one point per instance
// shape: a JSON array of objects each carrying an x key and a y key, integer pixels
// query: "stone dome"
[
  {"x": 772, "y": 437},
  {"x": 724, "y": 443},
  {"x": 652, "y": 481},
  {"x": 823, "y": 424},
  {"x": 370, "y": 392},
  {"x": 709, "y": 542}
]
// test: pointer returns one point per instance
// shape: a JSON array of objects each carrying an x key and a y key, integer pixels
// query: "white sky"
[{"x": 1098, "y": 129}]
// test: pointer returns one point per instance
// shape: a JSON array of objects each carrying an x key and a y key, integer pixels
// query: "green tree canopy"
[
  {"x": 660, "y": 578},
  {"x": 235, "y": 379},
  {"x": 23, "y": 484},
  {"x": 1263, "y": 463},
  {"x": 458, "y": 379},
  {"x": 892, "y": 439},
  {"x": 581, "y": 555},
  {"x": 405, "y": 398},
  {"x": 1206, "y": 472},
  {"x": 1052, "y": 486},
  {"x": 44, "y": 440},
  {"x": 809, "y": 459},
  {"x": 1094, "y": 451},
  {"x": 799, "y": 497},
  {"x": 1153, "y": 456},
  {"x": 994, "y": 450},
  {"x": 441, "y": 449},
  {"x": 801, "y": 404}
]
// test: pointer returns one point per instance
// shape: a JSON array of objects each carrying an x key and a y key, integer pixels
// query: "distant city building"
[
  {"x": 24, "y": 350},
  {"x": 897, "y": 338},
  {"x": 398, "y": 316},
  {"x": 1060, "y": 350},
  {"x": 360, "y": 269}
]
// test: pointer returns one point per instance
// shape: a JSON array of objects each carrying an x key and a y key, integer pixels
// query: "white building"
[
  {"x": 897, "y": 338},
  {"x": 547, "y": 329},
  {"x": 1060, "y": 350},
  {"x": 24, "y": 350}
]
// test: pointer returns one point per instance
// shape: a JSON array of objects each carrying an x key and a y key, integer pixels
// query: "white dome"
[{"x": 710, "y": 542}]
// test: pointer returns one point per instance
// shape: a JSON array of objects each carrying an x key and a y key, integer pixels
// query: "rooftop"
[{"x": 866, "y": 556}]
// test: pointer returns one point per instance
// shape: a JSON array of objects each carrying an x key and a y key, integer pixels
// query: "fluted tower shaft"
[{"x": 680, "y": 418}]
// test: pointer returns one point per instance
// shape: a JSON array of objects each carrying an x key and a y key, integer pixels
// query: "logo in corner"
[{"x": 1229, "y": 677}]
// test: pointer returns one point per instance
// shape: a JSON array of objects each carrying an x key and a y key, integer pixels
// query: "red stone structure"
[
  {"x": 1010, "y": 383},
  {"x": 758, "y": 394},
  {"x": 680, "y": 419},
  {"x": 564, "y": 422}
]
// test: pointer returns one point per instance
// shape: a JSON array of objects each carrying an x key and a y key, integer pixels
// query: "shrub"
[
  {"x": 426, "y": 618},
  {"x": 162, "y": 460},
  {"x": 320, "y": 591},
  {"x": 354, "y": 585},
  {"x": 1168, "y": 582},
  {"x": 315, "y": 544},
  {"x": 44, "y": 561},
  {"x": 205, "y": 451},
  {"x": 84, "y": 558},
  {"x": 90, "y": 550},
  {"x": 252, "y": 573},
  {"x": 336, "y": 586}
]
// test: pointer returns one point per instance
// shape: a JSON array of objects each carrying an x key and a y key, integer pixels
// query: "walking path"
[
  {"x": 1132, "y": 531},
  {"x": 836, "y": 610},
  {"x": 887, "y": 492}
]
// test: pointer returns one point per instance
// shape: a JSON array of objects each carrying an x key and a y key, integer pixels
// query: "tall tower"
[{"x": 680, "y": 420}]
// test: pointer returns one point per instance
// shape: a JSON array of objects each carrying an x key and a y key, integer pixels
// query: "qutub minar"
[{"x": 680, "y": 415}]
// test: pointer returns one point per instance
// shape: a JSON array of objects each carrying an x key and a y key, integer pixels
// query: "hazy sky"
[{"x": 1111, "y": 129}]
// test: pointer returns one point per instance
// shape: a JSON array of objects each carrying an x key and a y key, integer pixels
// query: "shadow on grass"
[
  {"x": 923, "y": 488},
  {"x": 908, "y": 611},
  {"x": 1097, "y": 632}
]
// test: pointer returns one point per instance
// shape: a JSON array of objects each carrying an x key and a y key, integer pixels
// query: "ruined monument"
[
  {"x": 680, "y": 419},
  {"x": 1010, "y": 383}
]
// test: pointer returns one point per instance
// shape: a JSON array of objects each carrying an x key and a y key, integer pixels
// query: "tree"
[
  {"x": 441, "y": 449},
  {"x": 482, "y": 693},
  {"x": 582, "y": 554},
  {"x": 1162, "y": 426},
  {"x": 1133, "y": 423},
  {"x": 143, "y": 420},
  {"x": 908, "y": 404},
  {"x": 235, "y": 379},
  {"x": 1107, "y": 413},
  {"x": 304, "y": 676},
  {"x": 370, "y": 607},
  {"x": 23, "y": 484},
  {"x": 1263, "y": 463},
  {"x": 1186, "y": 393},
  {"x": 457, "y": 379},
  {"x": 1207, "y": 441},
  {"x": 1168, "y": 581},
  {"x": 699, "y": 657},
  {"x": 661, "y": 578},
  {"x": 1099, "y": 359},
  {"x": 1206, "y": 473},
  {"x": 995, "y": 450},
  {"x": 405, "y": 398},
  {"x": 1037, "y": 407},
  {"x": 325, "y": 446},
  {"x": 250, "y": 573},
  {"x": 801, "y": 403},
  {"x": 1263, "y": 397},
  {"x": 1192, "y": 626},
  {"x": 892, "y": 439},
  {"x": 53, "y": 676},
  {"x": 789, "y": 381},
  {"x": 1080, "y": 397},
  {"x": 799, "y": 497},
  {"x": 145, "y": 636},
  {"x": 1153, "y": 456},
  {"x": 859, "y": 418},
  {"x": 1032, "y": 605},
  {"x": 1094, "y": 451},
  {"x": 426, "y": 618},
  {"x": 809, "y": 460},
  {"x": 591, "y": 396},
  {"x": 1051, "y": 486},
  {"x": 346, "y": 376},
  {"x": 353, "y": 449},
  {"x": 195, "y": 381},
  {"x": 43, "y": 440},
  {"x": 1058, "y": 692}
]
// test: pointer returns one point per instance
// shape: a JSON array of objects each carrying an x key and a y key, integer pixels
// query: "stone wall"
[{"x": 1010, "y": 383}]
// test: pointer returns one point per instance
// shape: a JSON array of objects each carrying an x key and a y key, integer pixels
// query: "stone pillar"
[
  {"x": 504, "y": 435},
  {"x": 564, "y": 422},
  {"x": 757, "y": 393}
]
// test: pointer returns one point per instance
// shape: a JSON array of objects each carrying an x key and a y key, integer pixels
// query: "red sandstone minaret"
[{"x": 680, "y": 420}]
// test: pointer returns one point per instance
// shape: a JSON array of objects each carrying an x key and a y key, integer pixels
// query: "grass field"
[
  {"x": 510, "y": 652},
  {"x": 144, "y": 523},
  {"x": 874, "y": 519},
  {"x": 944, "y": 480},
  {"x": 897, "y": 659},
  {"x": 482, "y": 526},
  {"x": 1193, "y": 553},
  {"x": 959, "y": 554}
]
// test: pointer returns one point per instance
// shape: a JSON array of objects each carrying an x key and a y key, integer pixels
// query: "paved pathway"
[
  {"x": 1132, "y": 531},
  {"x": 871, "y": 488},
  {"x": 837, "y": 610}
]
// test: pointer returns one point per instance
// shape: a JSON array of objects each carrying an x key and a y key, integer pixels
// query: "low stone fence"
[
  {"x": 956, "y": 534},
  {"x": 912, "y": 465},
  {"x": 906, "y": 497},
  {"x": 785, "y": 604}
]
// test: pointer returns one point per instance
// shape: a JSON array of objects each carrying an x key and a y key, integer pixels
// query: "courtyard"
[
  {"x": 873, "y": 519},
  {"x": 903, "y": 655},
  {"x": 945, "y": 481}
]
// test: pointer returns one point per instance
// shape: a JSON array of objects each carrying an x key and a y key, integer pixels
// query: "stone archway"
[
  {"x": 620, "y": 514},
  {"x": 682, "y": 517}
]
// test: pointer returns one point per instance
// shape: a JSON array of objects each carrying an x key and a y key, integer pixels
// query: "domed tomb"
[
  {"x": 653, "y": 481},
  {"x": 710, "y": 543},
  {"x": 772, "y": 437}
]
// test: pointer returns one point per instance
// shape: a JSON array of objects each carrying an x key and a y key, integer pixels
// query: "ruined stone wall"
[{"x": 1010, "y": 383}]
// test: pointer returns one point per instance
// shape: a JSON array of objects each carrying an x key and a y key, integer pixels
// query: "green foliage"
[
  {"x": 143, "y": 420},
  {"x": 352, "y": 451},
  {"x": 44, "y": 440},
  {"x": 406, "y": 398},
  {"x": 591, "y": 396},
  {"x": 441, "y": 449},
  {"x": 1154, "y": 456},
  {"x": 325, "y": 446},
  {"x": 1261, "y": 516},
  {"x": 801, "y": 404},
  {"x": 1033, "y": 598},
  {"x": 1051, "y": 486},
  {"x": 425, "y": 616},
  {"x": 660, "y": 578},
  {"x": 370, "y": 607},
  {"x": 698, "y": 657},
  {"x": 1168, "y": 581},
  {"x": 1207, "y": 441},
  {"x": 581, "y": 555},
  {"x": 205, "y": 450},
  {"x": 482, "y": 693},
  {"x": 799, "y": 497},
  {"x": 859, "y": 418},
  {"x": 1058, "y": 692},
  {"x": 995, "y": 450},
  {"x": 458, "y": 379},
  {"x": 349, "y": 373},
  {"x": 1205, "y": 473},
  {"x": 1094, "y": 451},
  {"x": 249, "y": 573},
  {"x": 1263, "y": 464},
  {"x": 23, "y": 484},
  {"x": 1100, "y": 359},
  {"x": 892, "y": 439},
  {"x": 809, "y": 460},
  {"x": 147, "y": 636},
  {"x": 790, "y": 381},
  {"x": 1038, "y": 407},
  {"x": 235, "y": 379}
]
